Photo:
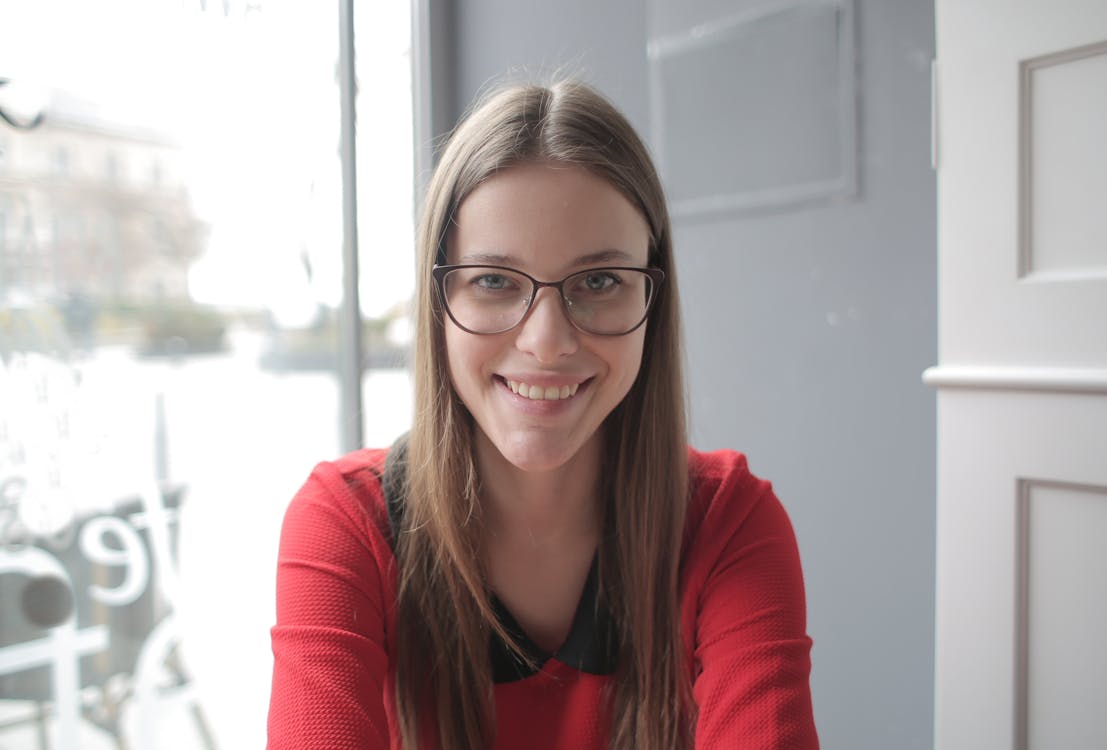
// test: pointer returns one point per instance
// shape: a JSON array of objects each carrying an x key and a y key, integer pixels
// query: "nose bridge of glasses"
[
  {"x": 555, "y": 295},
  {"x": 546, "y": 331}
]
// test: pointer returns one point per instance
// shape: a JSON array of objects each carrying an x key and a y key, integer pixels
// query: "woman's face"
[{"x": 540, "y": 391}]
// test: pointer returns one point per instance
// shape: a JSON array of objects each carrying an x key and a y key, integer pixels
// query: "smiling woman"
[{"x": 542, "y": 562}]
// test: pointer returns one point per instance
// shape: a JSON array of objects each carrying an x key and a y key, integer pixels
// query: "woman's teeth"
[{"x": 537, "y": 393}]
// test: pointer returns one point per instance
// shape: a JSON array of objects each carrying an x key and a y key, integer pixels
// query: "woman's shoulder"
[
  {"x": 722, "y": 471},
  {"x": 725, "y": 494},
  {"x": 358, "y": 473},
  {"x": 350, "y": 487}
]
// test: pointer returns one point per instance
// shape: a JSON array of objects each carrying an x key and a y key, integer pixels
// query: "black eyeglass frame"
[{"x": 439, "y": 272}]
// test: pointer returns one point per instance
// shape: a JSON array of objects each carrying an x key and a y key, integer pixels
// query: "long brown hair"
[{"x": 444, "y": 682}]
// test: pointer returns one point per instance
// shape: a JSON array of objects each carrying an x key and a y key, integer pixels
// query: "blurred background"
[{"x": 176, "y": 312}]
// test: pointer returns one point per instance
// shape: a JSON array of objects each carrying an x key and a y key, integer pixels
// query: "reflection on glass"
[{"x": 170, "y": 274}]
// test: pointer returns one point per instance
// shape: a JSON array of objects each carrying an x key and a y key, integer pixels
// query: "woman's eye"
[
  {"x": 598, "y": 282},
  {"x": 492, "y": 281}
]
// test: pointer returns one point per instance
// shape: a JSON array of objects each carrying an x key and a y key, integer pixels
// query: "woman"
[{"x": 542, "y": 562}]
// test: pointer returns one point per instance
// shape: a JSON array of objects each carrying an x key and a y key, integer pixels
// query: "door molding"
[{"x": 1049, "y": 379}]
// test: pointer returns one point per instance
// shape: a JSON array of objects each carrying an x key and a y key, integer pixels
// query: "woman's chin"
[
  {"x": 536, "y": 460},
  {"x": 537, "y": 454}
]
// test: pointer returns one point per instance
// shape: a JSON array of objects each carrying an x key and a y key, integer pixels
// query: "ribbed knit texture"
[{"x": 742, "y": 615}]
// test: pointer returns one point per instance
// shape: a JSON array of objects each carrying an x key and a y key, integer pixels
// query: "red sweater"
[{"x": 742, "y": 615}]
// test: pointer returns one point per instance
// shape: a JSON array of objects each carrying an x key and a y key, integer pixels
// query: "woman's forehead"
[{"x": 549, "y": 214}]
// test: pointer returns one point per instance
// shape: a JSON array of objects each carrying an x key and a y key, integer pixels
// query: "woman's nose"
[{"x": 547, "y": 334}]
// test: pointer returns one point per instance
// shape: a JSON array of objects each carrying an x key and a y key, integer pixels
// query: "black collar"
[{"x": 590, "y": 646}]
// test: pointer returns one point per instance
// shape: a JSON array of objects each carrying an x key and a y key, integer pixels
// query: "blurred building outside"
[{"x": 168, "y": 344}]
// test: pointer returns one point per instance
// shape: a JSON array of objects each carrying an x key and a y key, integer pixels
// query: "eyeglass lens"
[{"x": 599, "y": 300}]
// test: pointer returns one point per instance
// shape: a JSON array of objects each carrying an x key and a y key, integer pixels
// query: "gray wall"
[
  {"x": 810, "y": 313},
  {"x": 603, "y": 42}
]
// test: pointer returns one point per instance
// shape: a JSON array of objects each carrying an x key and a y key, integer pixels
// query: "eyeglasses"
[{"x": 610, "y": 301}]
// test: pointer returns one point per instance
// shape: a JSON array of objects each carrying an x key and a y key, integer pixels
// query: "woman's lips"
[
  {"x": 544, "y": 388},
  {"x": 540, "y": 393}
]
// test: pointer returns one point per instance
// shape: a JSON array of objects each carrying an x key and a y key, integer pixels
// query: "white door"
[{"x": 1021, "y": 152}]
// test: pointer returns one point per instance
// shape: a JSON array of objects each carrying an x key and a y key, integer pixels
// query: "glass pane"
[
  {"x": 385, "y": 213},
  {"x": 170, "y": 271}
]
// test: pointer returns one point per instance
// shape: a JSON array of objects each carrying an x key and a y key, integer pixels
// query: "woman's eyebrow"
[
  {"x": 498, "y": 259},
  {"x": 604, "y": 256},
  {"x": 491, "y": 259}
]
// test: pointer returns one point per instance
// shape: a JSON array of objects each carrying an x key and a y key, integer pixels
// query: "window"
[
  {"x": 62, "y": 161},
  {"x": 111, "y": 167},
  {"x": 169, "y": 351}
]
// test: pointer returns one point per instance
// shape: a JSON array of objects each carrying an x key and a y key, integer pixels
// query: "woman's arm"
[
  {"x": 752, "y": 652},
  {"x": 334, "y": 595}
]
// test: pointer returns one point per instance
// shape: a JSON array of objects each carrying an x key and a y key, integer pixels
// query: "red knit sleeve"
[
  {"x": 751, "y": 652},
  {"x": 334, "y": 600}
]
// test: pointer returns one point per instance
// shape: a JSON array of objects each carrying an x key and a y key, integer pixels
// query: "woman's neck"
[{"x": 540, "y": 508}]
